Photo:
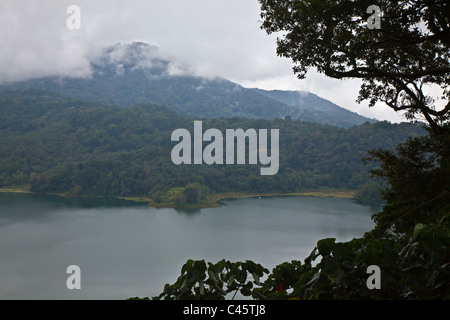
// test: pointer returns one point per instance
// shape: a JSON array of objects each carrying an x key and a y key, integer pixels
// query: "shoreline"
[{"x": 212, "y": 201}]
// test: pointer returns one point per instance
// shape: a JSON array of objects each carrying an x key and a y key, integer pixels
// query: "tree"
[
  {"x": 192, "y": 193},
  {"x": 396, "y": 62},
  {"x": 417, "y": 173}
]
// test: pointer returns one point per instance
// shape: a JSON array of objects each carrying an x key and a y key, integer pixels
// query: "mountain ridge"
[
  {"x": 312, "y": 108},
  {"x": 137, "y": 73}
]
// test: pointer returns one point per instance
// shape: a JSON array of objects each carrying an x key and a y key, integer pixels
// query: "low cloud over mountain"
[{"x": 138, "y": 73}]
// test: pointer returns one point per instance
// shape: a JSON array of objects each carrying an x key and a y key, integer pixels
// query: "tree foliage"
[
  {"x": 413, "y": 267},
  {"x": 417, "y": 173},
  {"x": 62, "y": 145},
  {"x": 396, "y": 62},
  {"x": 410, "y": 243}
]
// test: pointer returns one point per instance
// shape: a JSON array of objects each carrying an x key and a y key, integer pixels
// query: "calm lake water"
[{"x": 125, "y": 249}]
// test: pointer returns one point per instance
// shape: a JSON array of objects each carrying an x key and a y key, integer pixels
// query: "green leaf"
[
  {"x": 193, "y": 276},
  {"x": 213, "y": 276},
  {"x": 200, "y": 265},
  {"x": 246, "y": 292},
  {"x": 241, "y": 275},
  {"x": 187, "y": 266},
  {"x": 312, "y": 256},
  {"x": 184, "y": 285},
  {"x": 230, "y": 281},
  {"x": 338, "y": 276},
  {"x": 341, "y": 250},
  {"x": 328, "y": 264},
  {"x": 256, "y": 278},
  {"x": 201, "y": 288},
  {"x": 223, "y": 292},
  {"x": 325, "y": 246},
  {"x": 418, "y": 228}
]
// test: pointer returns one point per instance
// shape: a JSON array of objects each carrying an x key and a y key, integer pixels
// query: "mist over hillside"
[{"x": 137, "y": 73}]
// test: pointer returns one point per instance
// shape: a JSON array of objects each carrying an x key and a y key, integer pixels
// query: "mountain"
[
  {"x": 137, "y": 73},
  {"x": 310, "y": 107}
]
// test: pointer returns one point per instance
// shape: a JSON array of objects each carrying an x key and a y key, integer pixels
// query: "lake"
[{"x": 125, "y": 249}]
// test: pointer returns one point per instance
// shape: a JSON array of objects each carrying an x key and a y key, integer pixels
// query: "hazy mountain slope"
[
  {"x": 310, "y": 107},
  {"x": 137, "y": 73}
]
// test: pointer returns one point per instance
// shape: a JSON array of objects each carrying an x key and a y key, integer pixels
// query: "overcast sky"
[{"x": 213, "y": 37}]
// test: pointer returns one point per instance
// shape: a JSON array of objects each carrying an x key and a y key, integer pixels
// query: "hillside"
[
  {"x": 310, "y": 107},
  {"x": 133, "y": 74},
  {"x": 60, "y": 144}
]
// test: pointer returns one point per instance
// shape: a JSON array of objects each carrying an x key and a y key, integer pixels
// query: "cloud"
[
  {"x": 35, "y": 42},
  {"x": 219, "y": 37},
  {"x": 206, "y": 37},
  {"x": 344, "y": 93}
]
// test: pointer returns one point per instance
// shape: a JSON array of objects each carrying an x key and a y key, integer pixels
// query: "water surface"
[{"x": 125, "y": 249}]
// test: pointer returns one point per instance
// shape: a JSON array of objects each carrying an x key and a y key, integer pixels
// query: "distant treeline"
[{"x": 63, "y": 145}]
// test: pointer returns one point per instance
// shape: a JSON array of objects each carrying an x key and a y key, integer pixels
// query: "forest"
[{"x": 64, "y": 145}]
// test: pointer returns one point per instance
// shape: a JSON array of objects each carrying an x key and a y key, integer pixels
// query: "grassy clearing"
[
  {"x": 169, "y": 200},
  {"x": 18, "y": 189},
  {"x": 336, "y": 193},
  {"x": 136, "y": 199}
]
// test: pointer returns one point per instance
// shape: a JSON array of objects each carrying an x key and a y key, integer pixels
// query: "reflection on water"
[
  {"x": 187, "y": 212},
  {"x": 127, "y": 249},
  {"x": 23, "y": 206}
]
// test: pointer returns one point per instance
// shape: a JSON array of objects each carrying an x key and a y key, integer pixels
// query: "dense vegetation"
[
  {"x": 395, "y": 62},
  {"x": 62, "y": 145},
  {"x": 410, "y": 243}
]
